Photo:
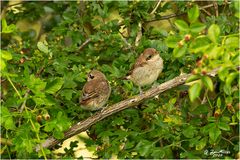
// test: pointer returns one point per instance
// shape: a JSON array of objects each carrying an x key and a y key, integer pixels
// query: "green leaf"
[
  {"x": 214, "y": 133},
  {"x": 189, "y": 132},
  {"x": 42, "y": 47},
  {"x": 7, "y": 119},
  {"x": 5, "y": 55},
  {"x": 201, "y": 144},
  {"x": 54, "y": 86},
  {"x": 158, "y": 153},
  {"x": 182, "y": 25},
  {"x": 144, "y": 147},
  {"x": 201, "y": 109},
  {"x": 232, "y": 42},
  {"x": 194, "y": 91},
  {"x": 58, "y": 134},
  {"x": 224, "y": 126},
  {"x": 207, "y": 82},
  {"x": 6, "y": 28},
  {"x": 193, "y": 13},
  {"x": 213, "y": 33},
  {"x": 223, "y": 73},
  {"x": 199, "y": 44},
  {"x": 172, "y": 41},
  {"x": 197, "y": 27},
  {"x": 193, "y": 78},
  {"x": 215, "y": 51},
  {"x": 2, "y": 64},
  {"x": 180, "y": 51},
  {"x": 230, "y": 78},
  {"x": 219, "y": 102}
]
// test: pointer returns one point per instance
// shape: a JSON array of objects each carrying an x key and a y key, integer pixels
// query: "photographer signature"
[{"x": 214, "y": 153}]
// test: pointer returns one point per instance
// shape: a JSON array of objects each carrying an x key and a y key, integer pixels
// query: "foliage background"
[{"x": 44, "y": 63}]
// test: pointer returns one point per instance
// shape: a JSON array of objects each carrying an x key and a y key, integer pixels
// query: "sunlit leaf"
[
  {"x": 213, "y": 33},
  {"x": 194, "y": 91},
  {"x": 180, "y": 51},
  {"x": 207, "y": 82},
  {"x": 193, "y": 13},
  {"x": 197, "y": 27},
  {"x": 54, "y": 86},
  {"x": 182, "y": 25}
]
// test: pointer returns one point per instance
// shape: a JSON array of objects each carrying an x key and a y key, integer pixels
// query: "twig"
[
  {"x": 139, "y": 34},
  {"x": 227, "y": 140},
  {"x": 84, "y": 44},
  {"x": 176, "y": 15},
  {"x": 208, "y": 13},
  {"x": 135, "y": 100},
  {"x": 216, "y": 8},
  {"x": 156, "y": 7},
  {"x": 24, "y": 102},
  {"x": 5, "y": 141}
]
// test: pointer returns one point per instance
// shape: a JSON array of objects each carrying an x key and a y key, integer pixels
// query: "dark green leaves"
[
  {"x": 7, "y": 120},
  {"x": 58, "y": 125},
  {"x": 54, "y": 86},
  {"x": 144, "y": 147}
]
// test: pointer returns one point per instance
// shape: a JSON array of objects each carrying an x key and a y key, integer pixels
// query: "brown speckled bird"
[
  {"x": 95, "y": 92},
  {"x": 147, "y": 68}
]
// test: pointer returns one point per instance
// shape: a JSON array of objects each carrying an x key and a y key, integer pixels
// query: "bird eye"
[
  {"x": 91, "y": 76},
  {"x": 149, "y": 57}
]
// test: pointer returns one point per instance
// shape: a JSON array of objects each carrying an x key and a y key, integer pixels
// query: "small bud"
[
  {"x": 217, "y": 113},
  {"x": 180, "y": 44},
  {"x": 204, "y": 72},
  {"x": 199, "y": 63},
  {"x": 194, "y": 71},
  {"x": 46, "y": 116},
  {"x": 39, "y": 118},
  {"x": 229, "y": 106},
  {"x": 205, "y": 56},
  {"x": 22, "y": 60},
  {"x": 187, "y": 37}
]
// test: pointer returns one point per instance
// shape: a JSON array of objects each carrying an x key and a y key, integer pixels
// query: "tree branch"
[
  {"x": 176, "y": 15},
  {"x": 83, "y": 45},
  {"x": 133, "y": 101}
]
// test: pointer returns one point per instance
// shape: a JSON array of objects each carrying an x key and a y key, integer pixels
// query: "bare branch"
[
  {"x": 84, "y": 44},
  {"x": 176, "y": 15},
  {"x": 133, "y": 101},
  {"x": 156, "y": 7}
]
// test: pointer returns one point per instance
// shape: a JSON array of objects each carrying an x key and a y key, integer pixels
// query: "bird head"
[{"x": 95, "y": 74}]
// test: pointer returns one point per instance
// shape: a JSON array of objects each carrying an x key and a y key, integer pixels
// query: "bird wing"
[
  {"x": 140, "y": 62},
  {"x": 89, "y": 91},
  {"x": 95, "y": 89}
]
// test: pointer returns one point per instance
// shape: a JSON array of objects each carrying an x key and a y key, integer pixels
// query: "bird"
[
  {"x": 146, "y": 69},
  {"x": 95, "y": 92}
]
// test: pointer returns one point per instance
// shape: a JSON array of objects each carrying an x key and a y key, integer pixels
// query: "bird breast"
[{"x": 148, "y": 73}]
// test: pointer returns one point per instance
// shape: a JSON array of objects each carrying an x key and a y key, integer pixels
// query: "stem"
[
  {"x": 209, "y": 102},
  {"x": 154, "y": 10},
  {"x": 8, "y": 78},
  {"x": 37, "y": 135},
  {"x": 227, "y": 140}
]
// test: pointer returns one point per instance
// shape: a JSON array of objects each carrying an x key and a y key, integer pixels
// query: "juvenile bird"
[
  {"x": 147, "y": 68},
  {"x": 95, "y": 92}
]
